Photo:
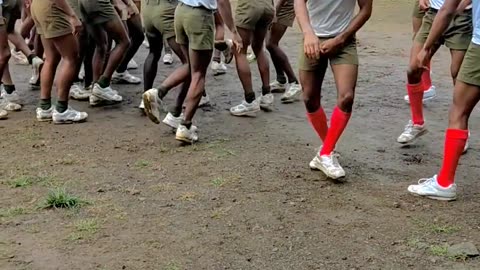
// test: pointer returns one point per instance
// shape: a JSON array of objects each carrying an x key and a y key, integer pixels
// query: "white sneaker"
[
  {"x": 329, "y": 165},
  {"x": 146, "y": 44},
  {"x": 153, "y": 105},
  {"x": 245, "y": 108},
  {"x": 467, "y": 145},
  {"x": 173, "y": 121},
  {"x": 125, "y": 77},
  {"x": 204, "y": 101},
  {"x": 81, "y": 73},
  {"x": 9, "y": 106},
  {"x": 44, "y": 115},
  {"x": 107, "y": 93},
  {"x": 168, "y": 59},
  {"x": 186, "y": 135},
  {"x": 228, "y": 52},
  {"x": 132, "y": 64},
  {"x": 142, "y": 105},
  {"x": 19, "y": 58},
  {"x": 69, "y": 116},
  {"x": 293, "y": 93},
  {"x": 77, "y": 93},
  {"x": 13, "y": 97},
  {"x": 251, "y": 57},
  {"x": 3, "y": 114},
  {"x": 35, "y": 79},
  {"x": 411, "y": 133},
  {"x": 429, "y": 187},
  {"x": 277, "y": 87},
  {"x": 266, "y": 102},
  {"x": 218, "y": 68},
  {"x": 428, "y": 95}
]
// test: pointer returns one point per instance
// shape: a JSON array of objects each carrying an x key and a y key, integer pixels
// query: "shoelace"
[
  {"x": 409, "y": 127},
  {"x": 425, "y": 181}
]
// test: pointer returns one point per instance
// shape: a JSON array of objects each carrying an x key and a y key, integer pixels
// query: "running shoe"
[
  {"x": 204, "y": 101},
  {"x": 411, "y": 133},
  {"x": 69, "y": 116},
  {"x": 245, "y": 108},
  {"x": 168, "y": 59},
  {"x": 186, "y": 135},
  {"x": 153, "y": 105},
  {"x": 277, "y": 87},
  {"x": 266, "y": 102},
  {"x": 132, "y": 64},
  {"x": 218, "y": 68},
  {"x": 44, "y": 115},
  {"x": 329, "y": 165},
  {"x": 125, "y": 78},
  {"x": 429, "y": 187},
  {"x": 293, "y": 93},
  {"x": 77, "y": 93}
]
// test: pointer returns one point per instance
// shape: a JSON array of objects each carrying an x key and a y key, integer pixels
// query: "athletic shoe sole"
[
  {"x": 415, "y": 138},
  {"x": 249, "y": 113},
  {"x": 147, "y": 100}
]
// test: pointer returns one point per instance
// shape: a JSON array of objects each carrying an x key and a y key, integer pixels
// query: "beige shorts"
[
  {"x": 254, "y": 14},
  {"x": 195, "y": 27},
  {"x": 50, "y": 20},
  {"x": 346, "y": 55},
  {"x": 286, "y": 14},
  {"x": 470, "y": 69},
  {"x": 158, "y": 18},
  {"x": 96, "y": 12}
]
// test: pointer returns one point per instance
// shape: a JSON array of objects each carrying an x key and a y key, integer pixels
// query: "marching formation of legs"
[{"x": 96, "y": 41}]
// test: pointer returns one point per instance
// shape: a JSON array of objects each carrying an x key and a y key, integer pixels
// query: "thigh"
[
  {"x": 164, "y": 19},
  {"x": 424, "y": 30},
  {"x": 51, "y": 52},
  {"x": 345, "y": 78},
  {"x": 457, "y": 59},
  {"x": 308, "y": 64},
  {"x": 276, "y": 33},
  {"x": 258, "y": 39},
  {"x": 465, "y": 97},
  {"x": 312, "y": 80},
  {"x": 115, "y": 29},
  {"x": 199, "y": 60},
  {"x": 417, "y": 11},
  {"x": 246, "y": 36},
  {"x": 67, "y": 46}
]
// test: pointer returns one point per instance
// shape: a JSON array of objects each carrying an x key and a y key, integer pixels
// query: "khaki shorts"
[
  {"x": 75, "y": 5},
  {"x": 195, "y": 27},
  {"x": 417, "y": 11},
  {"x": 458, "y": 34},
  {"x": 470, "y": 69},
  {"x": 345, "y": 56},
  {"x": 286, "y": 14},
  {"x": 254, "y": 14},
  {"x": 11, "y": 12},
  {"x": 96, "y": 12},
  {"x": 158, "y": 18},
  {"x": 50, "y": 20}
]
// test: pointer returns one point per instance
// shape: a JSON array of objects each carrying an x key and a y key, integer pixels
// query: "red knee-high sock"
[
  {"x": 337, "y": 126},
  {"x": 318, "y": 120},
  {"x": 426, "y": 79},
  {"x": 415, "y": 94},
  {"x": 455, "y": 140}
]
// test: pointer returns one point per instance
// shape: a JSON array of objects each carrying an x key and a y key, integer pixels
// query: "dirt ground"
[{"x": 243, "y": 197}]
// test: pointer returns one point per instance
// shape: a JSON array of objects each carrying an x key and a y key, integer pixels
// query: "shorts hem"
[
  {"x": 468, "y": 81},
  {"x": 56, "y": 34}
]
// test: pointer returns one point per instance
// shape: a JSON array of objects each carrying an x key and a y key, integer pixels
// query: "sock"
[
  {"x": 426, "y": 79},
  {"x": 9, "y": 88},
  {"x": 103, "y": 82},
  {"x": 250, "y": 97},
  {"x": 415, "y": 94},
  {"x": 62, "y": 106},
  {"x": 293, "y": 81},
  {"x": 162, "y": 91},
  {"x": 265, "y": 90},
  {"x": 45, "y": 103},
  {"x": 30, "y": 58},
  {"x": 281, "y": 77},
  {"x": 337, "y": 126},
  {"x": 187, "y": 124},
  {"x": 176, "y": 112},
  {"x": 455, "y": 140},
  {"x": 318, "y": 120}
]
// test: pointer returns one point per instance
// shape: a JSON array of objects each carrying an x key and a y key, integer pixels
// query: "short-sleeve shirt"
[{"x": 329, "y": 18}]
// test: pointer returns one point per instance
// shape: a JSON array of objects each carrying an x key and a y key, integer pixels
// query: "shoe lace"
[
  {"x": 425, "y": 181},
  {"x": 409, "y": 127}
]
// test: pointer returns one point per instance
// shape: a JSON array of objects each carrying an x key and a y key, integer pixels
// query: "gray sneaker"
[
  {"x": 69, "y": 116},
  {"x": 153, "y": 105},
  {"x": 44, "y": 115},
  {"x": 411, "y": 133},
  {"x": 429, "y": 187},
  {"x": 186, "y": 135}
]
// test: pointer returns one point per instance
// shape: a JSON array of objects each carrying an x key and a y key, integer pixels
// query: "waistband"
[{"x": 196, "y": 7}]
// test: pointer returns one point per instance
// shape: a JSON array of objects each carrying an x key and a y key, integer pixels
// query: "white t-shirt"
[
  {"x": 436, "y": 4},
  {"x": 210, "y": 4},
  {"x": 476, "y": 22},
  {"x": 330, "y": 17}
]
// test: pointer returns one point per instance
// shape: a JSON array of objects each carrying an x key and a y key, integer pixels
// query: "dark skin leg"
[
  {"x": 199, "y": 61},
  {"x": 279, "y": 58},
  {"x": 117, "y": 31},
  {"x": 66, "y": 49},
  {"x": 17, "y": 40},
  {"x": 457, "y": 59},
  {"x": 87, "y": 60},
  {"x": 346, "y": 81},
  {"x": 312, "y": 86},
  {"x": 262, "y": 61},
  {"x": 243, "y": 67},
  {"x": 182, "y": 73},
  {"x": 414, "y": 74},
  {"x": 150, "y": 66},
  {"x": 465, "y": 98},
  {"x": 4, "y": 49},
  {"x": 135, "y": 31},
  {"x": 219, "y": 34},
  {"x": 38, "y": 46}
]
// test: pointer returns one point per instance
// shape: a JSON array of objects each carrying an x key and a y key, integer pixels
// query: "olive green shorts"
[
  {"x": 158, "y": 18},
  {"x": 458, "y": 34},
  {"x": 286, "y": 14},
  {"x": 75, "y": 5},
  {"x": 345, "y": 56},
  {"x": 195, "y": 27},
  {"x": 417, "y": 11},
  {"x": 254, "y": 14},
  {"x": 96, "y": 12},
  {"x": 50, "y": 20},
  {"x": 470, "y": 69},
  {"x": 11, "y": 12}
]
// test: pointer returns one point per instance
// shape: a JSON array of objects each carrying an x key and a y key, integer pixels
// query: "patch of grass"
[
  {"x": 12, "y": 212},
  {"x": 60, "y": 198},
  {"x": 447, "y": 229},
  {"x": 440, "y": 251},
  {"x": 142, "y": 164},
  {"x": 413, "y": 242},
  {"x": 21, "y": 182},
  {"x": 218, "y": 182},
  {"x": 84, "y": 229},
  {"x": 188, "y": 196},
  {"x": 172, "y": 266}
]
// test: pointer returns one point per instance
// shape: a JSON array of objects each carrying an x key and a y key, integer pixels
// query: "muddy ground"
[{"x": 243, "y": 197}]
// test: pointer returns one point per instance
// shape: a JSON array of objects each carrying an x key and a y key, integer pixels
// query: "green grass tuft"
[
  {"x": 440, "y": 251},
  {"x": 60, "y": 198}
]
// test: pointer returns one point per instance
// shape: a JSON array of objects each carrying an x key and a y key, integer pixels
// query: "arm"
[
  {"x": 358, "y": 21},
  {"x": 225, "y": 10},
  {"x": 311, "y": 43},
  {"x": 463, "y": 5},
  {"x": 441, "y": 22}
]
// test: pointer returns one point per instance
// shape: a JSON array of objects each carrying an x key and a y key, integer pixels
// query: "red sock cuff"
[
  {"x": 457, "y": 134},
  {"x": 320, "y": 113},
  {"x": 415, "y": 88},
  {"x": 337, "y": 110}
]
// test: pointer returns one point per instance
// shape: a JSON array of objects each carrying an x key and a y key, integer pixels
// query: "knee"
[
  {"x": 5, "y": 56},
  {"x": 414, "y": 72},
  {"x": 271, "y": 46},
  {"x": 311, "y": 103},
  {"x": 345, "y": 101},
  {"x": 101, "y": 48}
]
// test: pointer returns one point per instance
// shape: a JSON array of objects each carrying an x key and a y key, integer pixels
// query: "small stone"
[
  {"x": 100, "y": 190},
  {"x": 275, "y": 249},
  {"x": 463, "y": 249},
  {"x": 303, "y": 199},
  {"x": 344, "y": 258},
  {"x": 396, "y": 205}
]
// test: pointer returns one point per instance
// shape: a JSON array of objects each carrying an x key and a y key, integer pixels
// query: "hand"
[
  {"x": 76, "y": 25},
  {"x": 311, "y": 46},
  {"x": 237, "y": 42},
  {"x": 424, "y": 4},
  {"x": 331, "y": 45},
  {"x": 423, "y": 58},
  {"x": 132, "y": 10}
]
